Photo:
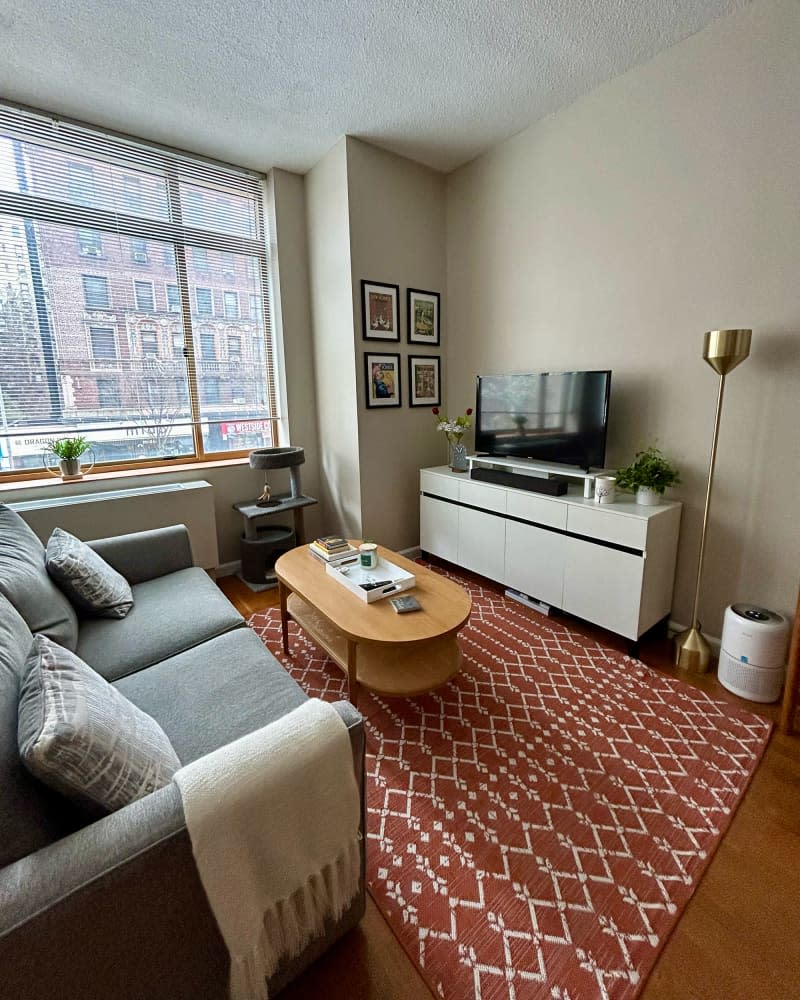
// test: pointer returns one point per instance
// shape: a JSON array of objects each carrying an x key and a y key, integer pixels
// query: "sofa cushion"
[
  {"x": 31, "y": 816},
  {"x": 24, "y": 581},
  {"x": 93, "y": 587},
  {"x": 82, "y": 737},
  {"x": 170, "y": 614},
  {"x": 215, "y": 693}
]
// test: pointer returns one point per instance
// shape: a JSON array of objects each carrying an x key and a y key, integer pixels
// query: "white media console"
[{"x": 612, "y": 564}]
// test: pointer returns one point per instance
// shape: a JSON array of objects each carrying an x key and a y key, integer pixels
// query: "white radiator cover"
[{"x": 118, "y": 512}]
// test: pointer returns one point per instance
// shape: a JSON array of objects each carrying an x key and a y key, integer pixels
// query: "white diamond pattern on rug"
[{"x": 536, "y": 826}]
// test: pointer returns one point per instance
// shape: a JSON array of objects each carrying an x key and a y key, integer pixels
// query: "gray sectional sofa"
[{"x": 114, "y": 908}]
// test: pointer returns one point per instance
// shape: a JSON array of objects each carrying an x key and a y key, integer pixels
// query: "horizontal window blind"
[{"x": 134, "y": 299}]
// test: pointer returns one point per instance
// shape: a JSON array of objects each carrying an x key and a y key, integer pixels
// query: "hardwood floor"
[{"x": 739, "y": 937}]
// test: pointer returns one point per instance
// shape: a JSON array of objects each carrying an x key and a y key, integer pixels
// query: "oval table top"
[{"x": 445, "y": 606}]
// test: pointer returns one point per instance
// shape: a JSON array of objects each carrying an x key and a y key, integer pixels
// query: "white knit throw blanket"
[{"x": 273, "y": 818}]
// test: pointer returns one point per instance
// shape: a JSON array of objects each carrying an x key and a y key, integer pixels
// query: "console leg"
[{"x": 633, "y": 648}]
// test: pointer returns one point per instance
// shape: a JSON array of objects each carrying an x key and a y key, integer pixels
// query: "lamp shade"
[{"x": 725, "y": 349}]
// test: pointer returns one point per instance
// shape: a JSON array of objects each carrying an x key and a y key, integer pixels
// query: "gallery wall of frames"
[{"x": 381, "y": 321}]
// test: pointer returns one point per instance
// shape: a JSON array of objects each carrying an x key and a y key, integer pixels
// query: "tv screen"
[{"x": 550, "y": 416}]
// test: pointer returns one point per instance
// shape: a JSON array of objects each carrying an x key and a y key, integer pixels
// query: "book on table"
[
  {"x": 332, "y": 544},
  {"x": 348, "y": 555},
  {"x": 346, "y": 551}
]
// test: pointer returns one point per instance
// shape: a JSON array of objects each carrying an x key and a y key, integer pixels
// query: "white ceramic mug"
[{"x": 605, "y": 489}]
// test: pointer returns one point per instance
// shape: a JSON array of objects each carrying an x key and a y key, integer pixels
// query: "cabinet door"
[
  {"x": 482, "y": 543},
  {"x": 603, "y": 586},
  {"x": 535, "y": 562},
  {"x": 438, "y": 528}
]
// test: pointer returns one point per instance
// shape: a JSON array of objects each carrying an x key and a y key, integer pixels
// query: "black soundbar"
[{"x": 534, "y": 484}]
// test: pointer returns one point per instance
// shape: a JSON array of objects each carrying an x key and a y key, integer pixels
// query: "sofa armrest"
[
  {"x": 117, "y": 909},
  {"x": 145, "y": 555},
  {"x": 114, "y": 910}
]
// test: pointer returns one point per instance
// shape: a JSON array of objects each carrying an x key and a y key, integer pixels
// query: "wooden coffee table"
[{"x": 390, "y": 654}]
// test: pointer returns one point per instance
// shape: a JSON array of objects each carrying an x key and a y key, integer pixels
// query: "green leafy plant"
[
  {"x": 68, "y": 448},
  {"x": 649, "y": 469}
]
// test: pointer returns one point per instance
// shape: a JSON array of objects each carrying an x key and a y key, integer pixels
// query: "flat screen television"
[{"x": 549, "y": 416}]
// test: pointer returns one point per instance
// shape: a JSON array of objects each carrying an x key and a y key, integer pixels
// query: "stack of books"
[{"x": 333, "y": 550}]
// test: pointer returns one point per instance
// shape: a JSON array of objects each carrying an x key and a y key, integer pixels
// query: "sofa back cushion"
[
  {"x": 31, "y": 816},
  {"x": 26, "y": 584}
]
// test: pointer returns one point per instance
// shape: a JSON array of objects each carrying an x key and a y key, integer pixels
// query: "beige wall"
[
  {"x": 289, "y": 254},
  {"x": 332, "y": 372},
  {"x": 397, "y": 236},
  {"x": 664, "y": 204}
]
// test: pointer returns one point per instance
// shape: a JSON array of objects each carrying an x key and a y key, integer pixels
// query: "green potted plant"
[
  {"x": 648, "y": 475},
  {"x": 68, "y": 451}
]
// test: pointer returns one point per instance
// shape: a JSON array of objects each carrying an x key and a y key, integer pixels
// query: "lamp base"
[{"x": 692, "y": 652}]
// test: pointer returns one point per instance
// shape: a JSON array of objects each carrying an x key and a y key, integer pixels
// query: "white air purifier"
[{"x": 752, "y": 660}]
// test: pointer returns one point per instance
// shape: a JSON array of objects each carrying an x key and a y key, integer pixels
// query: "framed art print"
[
  {"x": 423, "y": 381},
  {"x": 382, "y": 379},
  {"x": 423, "y": 317},
  {"x": 380, "y": 311}
]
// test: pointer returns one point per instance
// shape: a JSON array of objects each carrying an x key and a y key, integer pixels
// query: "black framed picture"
[
  {"x": 423, "y": 381},
  {"x": 423, "y": 317},
  {"x": 380, "y": 310},
  {"x": 382, "y": 379}
]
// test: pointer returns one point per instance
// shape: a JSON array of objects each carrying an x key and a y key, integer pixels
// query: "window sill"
[{"x": 101, "y": 477}]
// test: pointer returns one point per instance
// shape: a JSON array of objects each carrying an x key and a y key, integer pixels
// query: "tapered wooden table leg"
[
  {"x": 352, "y": 679},
  {"x": 283, "y": 594}
]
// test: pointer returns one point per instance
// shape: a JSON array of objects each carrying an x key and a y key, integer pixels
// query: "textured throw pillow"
[
  {"x": 88, "y": 581},
  {"x": 79, "y": 735}
]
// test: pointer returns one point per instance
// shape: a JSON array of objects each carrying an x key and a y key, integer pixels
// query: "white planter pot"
[{"x": 648, "y": 497}]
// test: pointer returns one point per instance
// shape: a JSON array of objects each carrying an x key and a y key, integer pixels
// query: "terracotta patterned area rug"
[{"x": 536, "y": 827}]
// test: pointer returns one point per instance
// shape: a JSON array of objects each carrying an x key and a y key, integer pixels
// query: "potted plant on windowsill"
[
  {"x": 68, "y": 451},
  {"x": 648, "y": 476}
]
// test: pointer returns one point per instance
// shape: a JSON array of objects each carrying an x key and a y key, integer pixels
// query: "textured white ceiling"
[{"x": 265, "y": 84}]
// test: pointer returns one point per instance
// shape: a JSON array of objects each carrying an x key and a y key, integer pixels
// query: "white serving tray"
[{"x": 353, "y": 576}]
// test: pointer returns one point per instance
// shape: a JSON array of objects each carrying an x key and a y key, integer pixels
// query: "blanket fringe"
[{"x": 293, "y": 922}]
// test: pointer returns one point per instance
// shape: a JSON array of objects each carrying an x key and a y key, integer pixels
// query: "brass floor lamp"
[{"x": 723, "y": 350}]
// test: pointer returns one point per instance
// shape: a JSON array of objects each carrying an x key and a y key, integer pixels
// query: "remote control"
[{"x": 402, "y": 605}]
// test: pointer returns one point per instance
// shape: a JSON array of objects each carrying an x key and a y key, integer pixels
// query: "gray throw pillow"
[
  {"x": 79, "y": 735},
  {"x": 89, "y": 582}
]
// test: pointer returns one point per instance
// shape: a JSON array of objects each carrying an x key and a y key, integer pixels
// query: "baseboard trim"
[
  {"x": 714, "y": 641},
  {"x": 228, "y": 568}
]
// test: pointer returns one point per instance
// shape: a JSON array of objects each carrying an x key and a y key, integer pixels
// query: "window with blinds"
[{"x": 134, "y": 300}]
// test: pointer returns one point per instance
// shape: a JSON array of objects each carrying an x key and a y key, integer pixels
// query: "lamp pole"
[{"x": 723, "y": 350}]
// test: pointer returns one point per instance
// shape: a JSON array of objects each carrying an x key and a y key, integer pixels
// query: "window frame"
[
  {"x": 139, "y": 309},
  {"x": 176, "y": 308},
  {"x": 227, "y": 292},
  {"x": 96, "y": 277},
  {"x": 103, "y": 361},
  {"x": 251, "y": 239},
  {"x": 198, "y": 310}
]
